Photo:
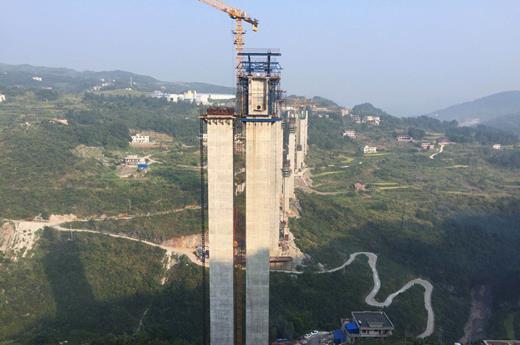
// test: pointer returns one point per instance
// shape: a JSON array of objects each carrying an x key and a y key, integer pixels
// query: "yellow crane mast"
[{"x": 239, "y": 16}]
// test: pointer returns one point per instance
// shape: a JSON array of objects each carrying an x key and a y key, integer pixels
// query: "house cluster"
[
  {"x": 36, "y": 78},
  {"x": 362, "y": 325},
  {"x": 369, "y": 119},
  {"x": 103, "y": 85},
  {"x": 193, "y": 97},
  {"x": 2, "y": 98},
  {"x": 140, "y": 139},
  {"x": 497, "y": 147}
]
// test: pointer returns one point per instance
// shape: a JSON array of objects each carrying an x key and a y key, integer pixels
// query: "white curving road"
[
  {"x": 440, "y": 151},
  {"x": 371, "y": 297}
]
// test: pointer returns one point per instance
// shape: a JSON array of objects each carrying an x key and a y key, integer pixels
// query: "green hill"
[{"x": 69, "y": 80}]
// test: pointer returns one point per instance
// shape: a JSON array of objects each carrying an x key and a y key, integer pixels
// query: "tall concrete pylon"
[
  {"x": 220, "y": 226},
  {"x": 258, "y": 96},
  {"x": 260, "y": 199}
]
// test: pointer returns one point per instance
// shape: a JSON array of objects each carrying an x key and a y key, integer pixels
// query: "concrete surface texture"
[
  {"x": 220, "y": 223},
  {"x": 291, "y": 156},
  {"x": 260, "y": 197},
  {"x": 278, "y": 143}
]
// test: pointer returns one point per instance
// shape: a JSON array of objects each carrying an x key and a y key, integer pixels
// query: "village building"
[
  {"x": 350, "y": 133},
  {"x": 345, "y": 111},
  {"x": 372, "y": 120},
  {"x": 363, "y": 324},
  {"x": 369, "y": 149},
  {"x": 500, "y": 342},
  {"x": 140, "y": 139},
  {"x": 497, "y": 147},
  {"x": 443, "y": 141},
  {"x": 132, "y": 160},
  {"x": 2, "y": 98},
  {"x": 359, "y": 187},
  {"x": 64, "y": 122},
  {"x": 356, "y": 119},
  {"x": 427, "y": 146},
  {"x": 404, "y": 139}
]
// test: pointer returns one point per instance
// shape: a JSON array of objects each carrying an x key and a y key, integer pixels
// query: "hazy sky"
[{"x": 408, "y": 57}]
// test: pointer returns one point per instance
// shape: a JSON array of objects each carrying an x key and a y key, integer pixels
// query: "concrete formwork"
[
  {"x": 220, "y": 223},
  {"x": 260, "y": 197}
]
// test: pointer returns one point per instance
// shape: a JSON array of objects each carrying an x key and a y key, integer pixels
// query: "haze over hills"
[
  {"x": 70, "y": 80},
  {"x": 500, "y": 110}
]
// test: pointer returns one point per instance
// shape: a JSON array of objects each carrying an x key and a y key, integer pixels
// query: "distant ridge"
[
  {"x": 70, "y": 80},
  {"x": 483, "y": 109}
]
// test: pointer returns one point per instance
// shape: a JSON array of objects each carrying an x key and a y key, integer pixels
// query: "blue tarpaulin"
[
  {"x": 339, "y": 336},
  {"x": 352, "y": 327}
]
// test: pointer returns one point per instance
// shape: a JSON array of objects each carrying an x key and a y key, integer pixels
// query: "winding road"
[
  {"x": 370, "y": 298},
  {"x": 436, "y": 153}
]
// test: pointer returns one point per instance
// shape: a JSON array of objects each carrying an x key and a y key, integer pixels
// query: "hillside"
[
  {"x": 482, "y": 110},
  {"x": 452, "y": 220},
  {"x": 69, "y": 80}
]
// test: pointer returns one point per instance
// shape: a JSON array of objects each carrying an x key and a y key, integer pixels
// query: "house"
[
  {"x": 500, "y": 342},
  {"x": 2, "y": 98},
  {"x": 369, "y": 149},
  {"x": 36, "y": 78},
  {"x": 356, "y": 119},
  {"x": 427, "y": 146},
  {"x": 140, "y": 139},
  {"x": 443, "y": 141},
  {"x": 497, "y": 147},
  {"x": 359, "y": 187},
  {"x": 404, "y": 139},
  {"x": 350, "y": 133},
  {"x": 64, "y": 122},
  {"x": 372, "y": 120},
  {"x": 345, "y": 112},
  {"x": 132, "y": 160},
  {"x": 368, "y": 324}
]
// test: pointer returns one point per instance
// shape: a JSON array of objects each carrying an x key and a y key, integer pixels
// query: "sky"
[{"x": 408, "y": 57}]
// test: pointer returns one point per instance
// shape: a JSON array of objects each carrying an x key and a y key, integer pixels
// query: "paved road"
[{"x": 370, "y": 298}]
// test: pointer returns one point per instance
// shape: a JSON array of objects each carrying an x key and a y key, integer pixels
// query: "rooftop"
[
  {"x": 372, "y": 319},
  {"x": 501, "y": 342}
]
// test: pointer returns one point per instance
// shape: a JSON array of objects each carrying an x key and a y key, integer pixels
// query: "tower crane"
[{"x": 239, "y": 16}]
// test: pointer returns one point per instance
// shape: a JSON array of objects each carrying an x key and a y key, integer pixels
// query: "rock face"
[
  {"x": 7, "y": 238},
  {"x": 480, "y": 313}
]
